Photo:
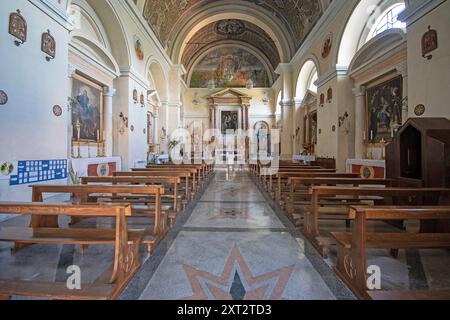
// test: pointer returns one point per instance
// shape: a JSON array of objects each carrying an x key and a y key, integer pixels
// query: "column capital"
[
  {"x": 359, "y": 91},
  {"x": 109, "y": 91},
  {"x": 403, "y": 69},
  {"x": 283, "y": 68},
  {"x": 298, "y": 102},
  {"x": 287, "y": 103},
  {"x": 71, "y": 70}
]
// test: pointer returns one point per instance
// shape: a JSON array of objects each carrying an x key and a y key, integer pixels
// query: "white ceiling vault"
[{"x": 274, "y": 29}]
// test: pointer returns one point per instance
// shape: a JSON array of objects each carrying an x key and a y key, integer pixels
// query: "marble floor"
[
  {"x": 234, "y": 246},
  {"x": 231, "y": 243}
]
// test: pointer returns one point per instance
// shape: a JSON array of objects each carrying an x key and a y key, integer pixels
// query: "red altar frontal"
[{"x": 368, "y": 169}]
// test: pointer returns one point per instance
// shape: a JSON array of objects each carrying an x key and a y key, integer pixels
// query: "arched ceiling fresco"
[
  {"x": 296, "y": 16},
  {"x": 252, "y": 33},
  {"x": 229, "y": 67}
]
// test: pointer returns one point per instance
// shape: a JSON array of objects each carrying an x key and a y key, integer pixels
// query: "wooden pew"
[
  {"x": 321, "y": 238},
  {"x": 170, "y": 185},
  {"x": 303, "y": 198},
  {"x": 126, "y": 247},
  {"x": 91, "y": 193},
  {"x": 183, "y": 175},
  {"x": 277, "y": 174},
  {"x": 352, "y": 247},
  {"x": 195, "y": 174}
]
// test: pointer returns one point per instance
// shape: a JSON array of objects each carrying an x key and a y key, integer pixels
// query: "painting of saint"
[
  {"x": 229, "y": 121},
  {"x": 87, "y": 105},
  {"x": 384, "y": 109}
]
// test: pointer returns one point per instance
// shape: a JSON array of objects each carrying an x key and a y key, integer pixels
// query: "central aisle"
[{"x": 234, "y": 246}]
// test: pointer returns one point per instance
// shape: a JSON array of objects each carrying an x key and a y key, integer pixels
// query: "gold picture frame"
[
  {"x": 87, "y": 108},
  {"x": 384, "y": 104}
]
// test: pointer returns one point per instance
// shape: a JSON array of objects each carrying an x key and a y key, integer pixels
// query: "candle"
[
  {"x": 392, "y": 132},
  {"x": 98, "y": 135},
  {"x": 371, "y": 135},
  {"x": 78, "y": 133}
]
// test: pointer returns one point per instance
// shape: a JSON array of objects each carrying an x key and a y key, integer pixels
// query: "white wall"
[
  {"x": 429, "y": 80},
  {"x": 28, "y": 128}
]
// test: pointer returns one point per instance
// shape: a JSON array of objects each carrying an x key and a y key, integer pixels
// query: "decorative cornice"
[
  {"x": 283, "y": 68},
  {"x": 53, "y": 11},
  {"x": 330, "y": 75},
  {"x": 127, "y": 71},
  {"x": 417, "y": 9},
  {"x": 359, "y": 91}
]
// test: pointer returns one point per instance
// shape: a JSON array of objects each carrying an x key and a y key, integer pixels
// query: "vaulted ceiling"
[{"x": 273, "y": 29}]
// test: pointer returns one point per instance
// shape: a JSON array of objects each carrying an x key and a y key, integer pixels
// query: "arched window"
[{"x": 387, "y": 20}]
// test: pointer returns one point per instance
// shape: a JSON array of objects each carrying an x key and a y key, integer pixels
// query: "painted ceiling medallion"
[
  {"x": 230, "y": 27},
  {"x": 3, "y": 98},
  {"x": 328, "y": 44},
  {"x": 138, "y": 48},
  {"x": 419, "y": 110},
  {"x": 18, "y": 27},
  {"x": 48, "y": 45},
  {"x": 57, "y": 110}
]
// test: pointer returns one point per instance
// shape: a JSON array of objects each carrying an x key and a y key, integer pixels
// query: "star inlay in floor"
[{"x": 237, "y": 281}]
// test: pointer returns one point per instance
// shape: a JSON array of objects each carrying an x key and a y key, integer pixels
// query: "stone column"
[
  {"x": 360, "y": 120},
  {"x": 297, "y": 123},
  {"x": 108, "y": 94},
  {"x": 287, "y": 113},
  {"x": 70, "y": 72},
  {"x": 403, "y": 69}
]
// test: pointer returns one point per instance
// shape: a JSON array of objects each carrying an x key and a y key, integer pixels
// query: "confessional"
[{"x": 419, "y": 156}]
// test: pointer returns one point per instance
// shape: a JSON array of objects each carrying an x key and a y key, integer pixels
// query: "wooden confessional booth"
[{"x": 419, "y": 156}]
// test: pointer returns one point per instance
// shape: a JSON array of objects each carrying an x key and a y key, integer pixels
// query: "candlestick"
[
  {"x": 383, "y": 149},
  {"x": 98, "y": 149},
  {"x": 103, "y": 148},
  {"x": 72, "y": 154},
  {"x": 78, "y": 126},
  {"x": 79, "y": 150}
]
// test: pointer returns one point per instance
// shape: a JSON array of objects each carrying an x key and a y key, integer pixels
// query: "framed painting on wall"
[
  {"x": 229, "y": 120},
  {"x": 384, "y": 109},
  {"x": 87, "y": 108}
]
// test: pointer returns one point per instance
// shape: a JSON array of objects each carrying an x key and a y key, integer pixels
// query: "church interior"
[{"x": 224, "y": 150}]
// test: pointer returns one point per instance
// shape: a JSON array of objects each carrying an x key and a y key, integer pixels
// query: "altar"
[
  {"x": 93, "y": 167},
  {"x": 368, "y": 169}
]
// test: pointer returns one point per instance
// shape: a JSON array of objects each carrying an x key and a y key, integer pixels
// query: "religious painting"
[
  {"x": 429, "y": 42},
  {"x": 229, "y": 68},
  {"x": 18, "y": 27},
  {"x": 322, "y": 99},
  {"x": 384, "y": 109},
  {"x": 87, "y": 109},
  {"x": 330, "y": 95},
  {"x": 229, "y": 120},
  {"x": 327, "y": 46},
  {"x": 263, "y": 138},
  {"x": 48, "y": 44},
  {"x": 139, "y": 48}
]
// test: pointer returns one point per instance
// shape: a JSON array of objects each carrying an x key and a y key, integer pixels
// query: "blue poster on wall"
[{"x": 33, "y": 171}]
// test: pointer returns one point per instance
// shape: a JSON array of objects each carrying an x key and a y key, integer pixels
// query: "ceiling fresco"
[
  {"x": 229, "y": 67},
  {"x": 231, "y": 31},
  {"x": 297, "y": 16}
]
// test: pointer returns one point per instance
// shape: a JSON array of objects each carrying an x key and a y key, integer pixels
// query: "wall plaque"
[{"x": 18, "y": 27}]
